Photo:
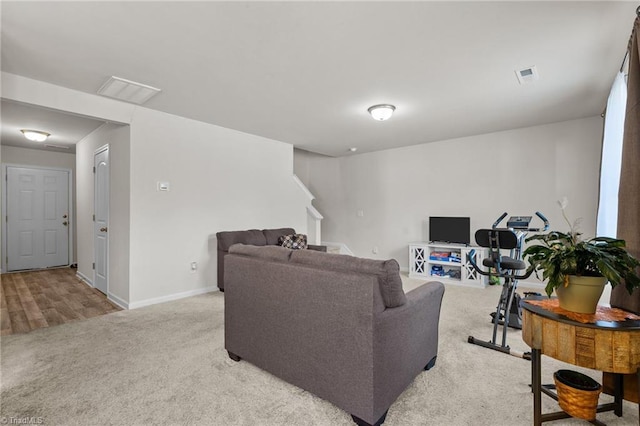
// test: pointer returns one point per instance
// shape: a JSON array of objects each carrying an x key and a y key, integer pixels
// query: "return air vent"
[
  {"x": 127, "y": 90},
  {"x": 527, "y": 75},
  {"x": 50, "y": 145}
]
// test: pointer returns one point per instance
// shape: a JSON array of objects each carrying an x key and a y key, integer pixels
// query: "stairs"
[
  {"x": 314, "y": 220},
  {"x": 337, "y": 248},
  {"x": 333, "y": 249}
]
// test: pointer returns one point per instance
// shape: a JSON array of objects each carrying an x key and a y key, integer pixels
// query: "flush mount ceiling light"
[
  {"x": 35, "y": 135},
  {"x": 127, "y": 90},
  {"x": 381, "y": 112}
]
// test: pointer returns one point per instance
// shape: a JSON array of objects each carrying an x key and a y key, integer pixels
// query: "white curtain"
[{"x": 611, "y": 159}]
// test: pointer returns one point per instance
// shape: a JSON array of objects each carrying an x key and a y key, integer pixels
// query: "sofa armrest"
[
  {"x": 317, "y": 248},
  {"x": 405, "y": 341},
  {"x": 221, "y": 255}
]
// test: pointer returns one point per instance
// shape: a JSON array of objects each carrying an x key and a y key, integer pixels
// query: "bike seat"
[{"x": 505, "y": 263}]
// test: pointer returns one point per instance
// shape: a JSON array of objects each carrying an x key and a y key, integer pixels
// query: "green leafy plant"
[{"x": 562, "y": 254}]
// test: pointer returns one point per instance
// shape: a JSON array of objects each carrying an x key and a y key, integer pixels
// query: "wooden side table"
[{"x": 608, "y": 340}]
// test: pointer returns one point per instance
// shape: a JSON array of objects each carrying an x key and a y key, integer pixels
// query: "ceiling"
[
  {"x": 306, "y": 72},
  {"x": 66, "y": 129}
]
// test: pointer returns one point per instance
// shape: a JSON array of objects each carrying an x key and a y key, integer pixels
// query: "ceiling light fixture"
[
  {"x": 381, "y": 112},
  {"x": 35, "y": 135},
  {"x": 354, "y": 149}
]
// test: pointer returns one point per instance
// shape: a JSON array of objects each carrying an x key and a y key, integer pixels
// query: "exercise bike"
[{"x": 508, "y": 313}]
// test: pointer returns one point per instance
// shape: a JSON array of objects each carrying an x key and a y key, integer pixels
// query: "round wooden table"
[{"x": 608, "y": 340}]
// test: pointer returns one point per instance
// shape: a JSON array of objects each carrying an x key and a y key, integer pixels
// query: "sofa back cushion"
[
  {"x": 272, "y": 235},
  {"x": 388, "y": 271},
  {"x": 277, "y": 253},
  {"x": 228, "y": 238}
]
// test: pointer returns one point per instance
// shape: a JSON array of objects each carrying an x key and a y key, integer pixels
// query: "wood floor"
[{"x": 37, "y": 299}]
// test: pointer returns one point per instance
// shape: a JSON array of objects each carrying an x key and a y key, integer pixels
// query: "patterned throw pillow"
[{"x": 294, "y": 241}]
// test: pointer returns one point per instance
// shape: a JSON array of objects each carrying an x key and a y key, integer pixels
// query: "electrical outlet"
[
  {"x": 374, "y": 250},
  {"x": 194, "y": 266}
]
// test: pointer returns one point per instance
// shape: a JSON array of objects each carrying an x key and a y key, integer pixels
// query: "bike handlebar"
[
  {"x": 495, "y": 224},
  {"x": 544, "y": 219}
]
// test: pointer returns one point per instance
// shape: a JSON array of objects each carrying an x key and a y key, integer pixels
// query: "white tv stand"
[{"x": 460, "y": 273}]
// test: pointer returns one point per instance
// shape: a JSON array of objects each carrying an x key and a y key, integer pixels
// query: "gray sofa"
[
  {"x": 256, "y": 237},
  {"x": 338, "y": 326}
]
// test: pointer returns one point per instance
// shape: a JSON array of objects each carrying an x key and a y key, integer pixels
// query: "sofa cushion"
[
  {"x": 263, "y": 252},
  {"x": 272, "y": 235},
  {"x": 388, "y": 271},
  {"x": 228, "y": 238},
  {"x": 293, "y": 241}
]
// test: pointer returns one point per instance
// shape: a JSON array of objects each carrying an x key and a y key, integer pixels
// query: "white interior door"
[
  {"x": 101, "y": 222},
  {"x": 37, "y": 218}
]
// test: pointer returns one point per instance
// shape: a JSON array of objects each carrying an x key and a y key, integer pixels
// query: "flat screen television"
[{"x": 455, "y": 230}]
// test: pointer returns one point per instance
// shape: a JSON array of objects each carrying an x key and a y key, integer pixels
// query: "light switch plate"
[{"x": 163, "y": 186}]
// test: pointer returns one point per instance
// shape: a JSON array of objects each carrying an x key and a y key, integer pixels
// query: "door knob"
[
  {"x": 65, "y": 223},
  {"x": 103, "y": 229}
]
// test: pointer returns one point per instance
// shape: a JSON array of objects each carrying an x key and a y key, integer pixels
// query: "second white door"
[{"x": 101, "y": 220}]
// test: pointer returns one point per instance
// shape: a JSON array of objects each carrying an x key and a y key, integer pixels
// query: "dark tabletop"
[{"x": 605, "y": 317}]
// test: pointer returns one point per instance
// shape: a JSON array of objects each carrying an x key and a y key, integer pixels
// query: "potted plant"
[{"x": 579, "y": 269}]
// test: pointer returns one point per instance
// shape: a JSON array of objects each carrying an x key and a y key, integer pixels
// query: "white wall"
[
  {"x": 519, "y": 171},
  {"x": 38, "y": 157},
  {"x": 41, "y": 158},
  {"x": 220, "y": 179},
  {"x": 117, "y": 137}
]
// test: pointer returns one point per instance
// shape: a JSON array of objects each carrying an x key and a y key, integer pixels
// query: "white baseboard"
[
  {"x": 84, "y": 278},
  {"x": 111, "y": 297},
  {"x": 118, "y": 301},
  {"x": 175, "y": 296}
]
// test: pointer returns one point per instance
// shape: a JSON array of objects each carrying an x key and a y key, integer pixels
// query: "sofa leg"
[
  {"x": 361, "y": 422},
  {"x": 430, "y": 364},
  {"x": 233, "y": 356}
]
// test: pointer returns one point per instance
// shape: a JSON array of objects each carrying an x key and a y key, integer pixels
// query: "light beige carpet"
[{"x": 165, "y": 365}]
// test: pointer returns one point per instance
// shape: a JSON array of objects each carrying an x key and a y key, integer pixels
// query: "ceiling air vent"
[
  {"x": 527, "y": 75},
  {"x": 50, "y": 145},
  {"x": 128, "y": 91}
]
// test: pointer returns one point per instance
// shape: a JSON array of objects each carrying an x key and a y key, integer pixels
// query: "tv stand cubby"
[{"x": 427, "y": 260}]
